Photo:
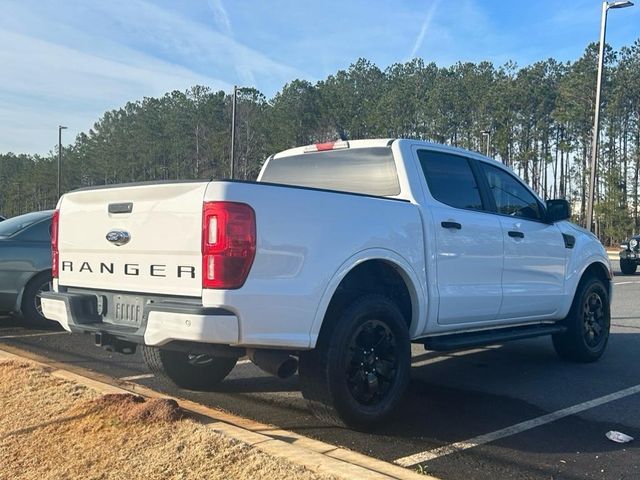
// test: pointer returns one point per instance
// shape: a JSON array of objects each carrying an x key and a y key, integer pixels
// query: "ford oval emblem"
[{"x": 118, "y": 237}]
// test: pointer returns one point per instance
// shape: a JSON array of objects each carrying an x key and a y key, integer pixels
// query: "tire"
[
  {"x": 342, "y": 379},
  {"x": 628, "y": 267},
  {"x": 187, "y": 370},
  {"x": 588, "y": 324},
  {"x": 31, "y": 308}
]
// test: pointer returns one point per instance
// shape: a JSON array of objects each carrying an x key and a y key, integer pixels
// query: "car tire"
[
  {"x": 588, "y": 323},
  {"x": 628, "y": 267},
  {"x": 358, "y": 373},
  {"x": 31, "y": 307},
  {"x": 200, "y": 372}
]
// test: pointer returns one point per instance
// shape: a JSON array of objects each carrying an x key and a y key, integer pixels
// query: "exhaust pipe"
[{"x": 275, "y": 362}]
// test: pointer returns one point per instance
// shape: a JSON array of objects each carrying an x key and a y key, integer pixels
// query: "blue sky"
[{"x": 68, "y": 61}]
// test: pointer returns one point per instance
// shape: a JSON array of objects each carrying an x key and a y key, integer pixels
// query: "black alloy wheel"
[
  {"x": 587, "y": 325},
  {"x": 594, "y": 320},
  {"x": 358, "y": 372},
  {"x": 37, "y": 299},
  {"x": 372, "y": 362},
  {"x": 32, "y": 301}
]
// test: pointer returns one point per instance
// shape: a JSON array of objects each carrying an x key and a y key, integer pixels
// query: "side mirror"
[{"x": 557, "y": 210}]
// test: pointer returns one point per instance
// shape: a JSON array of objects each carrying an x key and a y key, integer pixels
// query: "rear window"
[{"x": 370, "y": 171}]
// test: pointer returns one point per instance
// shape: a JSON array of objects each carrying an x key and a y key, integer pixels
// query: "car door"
[
  {"x": 534, "y": 250},
  {"x": 468, "y": 240}
]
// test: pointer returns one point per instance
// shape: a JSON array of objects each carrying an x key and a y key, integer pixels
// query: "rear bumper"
[{"x": 161, "y": 322}]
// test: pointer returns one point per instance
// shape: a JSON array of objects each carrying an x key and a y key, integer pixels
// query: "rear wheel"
[
  {"x": 31, "y": 301},
  {"x": 356, "y": 376},
  {"x": 628, "y": 267},
  {"x": 588, "y": 324},
  {"x": 192, "y": 371}
]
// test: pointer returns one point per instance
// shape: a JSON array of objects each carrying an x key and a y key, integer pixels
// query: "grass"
[{"x": 55, "y": 429}]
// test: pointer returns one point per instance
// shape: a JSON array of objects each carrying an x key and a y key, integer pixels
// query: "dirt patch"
[
  {"x": 54, "y": 429},
  {"x": 134, "y": 408}
]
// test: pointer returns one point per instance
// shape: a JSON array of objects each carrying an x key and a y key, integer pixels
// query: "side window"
[
  {"x": 450, "y": 179},
  {"x": 511, "y": 196}
]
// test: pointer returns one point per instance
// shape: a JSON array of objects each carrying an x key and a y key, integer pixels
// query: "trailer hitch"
[{"x": 113, "y": 344}]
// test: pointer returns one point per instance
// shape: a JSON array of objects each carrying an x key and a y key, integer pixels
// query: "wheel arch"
[
  {"x": 372, "y": 271},
  {"x": 597, "y": 268},
  {"x": 601, "y": 271}
]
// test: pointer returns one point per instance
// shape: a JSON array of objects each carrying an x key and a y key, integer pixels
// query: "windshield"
[{"x": 11, "y": 226}]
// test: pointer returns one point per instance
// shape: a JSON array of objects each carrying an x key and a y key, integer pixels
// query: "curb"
[{"x": 315, "y": 455}]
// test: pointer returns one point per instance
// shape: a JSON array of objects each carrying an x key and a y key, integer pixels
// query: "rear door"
[
  {"x": 143, "y": 239},
  {"x": 534, "y": 251},
  {"x": 469, "y": 243}
]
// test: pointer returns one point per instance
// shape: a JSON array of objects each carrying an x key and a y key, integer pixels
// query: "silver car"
[{"x": 25, "y": 265}]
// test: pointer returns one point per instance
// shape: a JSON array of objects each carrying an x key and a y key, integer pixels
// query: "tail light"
[
  {"x": 228, "y": 244},
  {"x": 55, "y": 255},
  {"x": 323, "y": 147}
]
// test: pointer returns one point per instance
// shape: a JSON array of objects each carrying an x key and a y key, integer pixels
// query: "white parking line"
[
  {"x": 417, "y": 458},
  {"x": 33, "y": 335},
  {"x": 138, "y": 377}
]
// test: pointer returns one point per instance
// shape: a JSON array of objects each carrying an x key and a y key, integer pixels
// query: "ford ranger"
[{"x": 338, "y": 258}]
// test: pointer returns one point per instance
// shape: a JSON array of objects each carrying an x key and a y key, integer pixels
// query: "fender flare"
[
  {"x": 575, "y": 280},
  {"x": 405, "y": 270}
]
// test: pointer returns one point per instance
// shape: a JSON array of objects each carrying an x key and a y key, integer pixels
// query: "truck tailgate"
[{"x": 163, "y": 253}]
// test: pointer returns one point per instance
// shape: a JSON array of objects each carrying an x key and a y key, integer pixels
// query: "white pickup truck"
[{"x": 332, "y": 263}]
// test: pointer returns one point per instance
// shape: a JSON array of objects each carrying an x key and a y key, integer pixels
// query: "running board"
[{"x": 459, "y": 341}]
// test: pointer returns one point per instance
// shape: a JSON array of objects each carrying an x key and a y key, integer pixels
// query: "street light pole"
[
  {"x": 596, "y": 119},
  {"x": 233, "y": 128},
  {"x": 487, "y": 133},
  {"x": 60, "y": 128}
]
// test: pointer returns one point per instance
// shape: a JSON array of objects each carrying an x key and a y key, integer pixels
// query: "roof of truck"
[{"x": 377, "y": 142}]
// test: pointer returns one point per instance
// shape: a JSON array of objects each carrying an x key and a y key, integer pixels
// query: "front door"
[{"x": 534, "y": 251}]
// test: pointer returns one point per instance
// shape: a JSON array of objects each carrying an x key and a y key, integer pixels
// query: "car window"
[
  {"x": 370, "y": 171},
  {"x": 13, "y": 225},
  {"x": 450, "y": 179},
  {"x": 511, "y": 196},
  {"x": 37, "y": 232}
]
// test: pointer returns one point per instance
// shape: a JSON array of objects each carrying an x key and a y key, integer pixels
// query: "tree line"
[{"x": 538, "y": 120}]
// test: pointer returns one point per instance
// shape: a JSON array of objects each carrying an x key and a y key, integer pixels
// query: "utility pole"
[
  {"x": 487, "y": 133},
  {"x": 596, "y": 119},
  {"x": 233, "y": 129},
  {"x": 60, "y": 128}
]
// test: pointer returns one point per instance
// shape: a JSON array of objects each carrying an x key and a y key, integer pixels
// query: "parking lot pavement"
[{"x": 505, "y": 411}]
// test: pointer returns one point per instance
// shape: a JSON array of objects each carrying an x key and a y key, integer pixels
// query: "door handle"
[
  {"x": 455, "y": 225},
  {"x": 513, "y": 234}
]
